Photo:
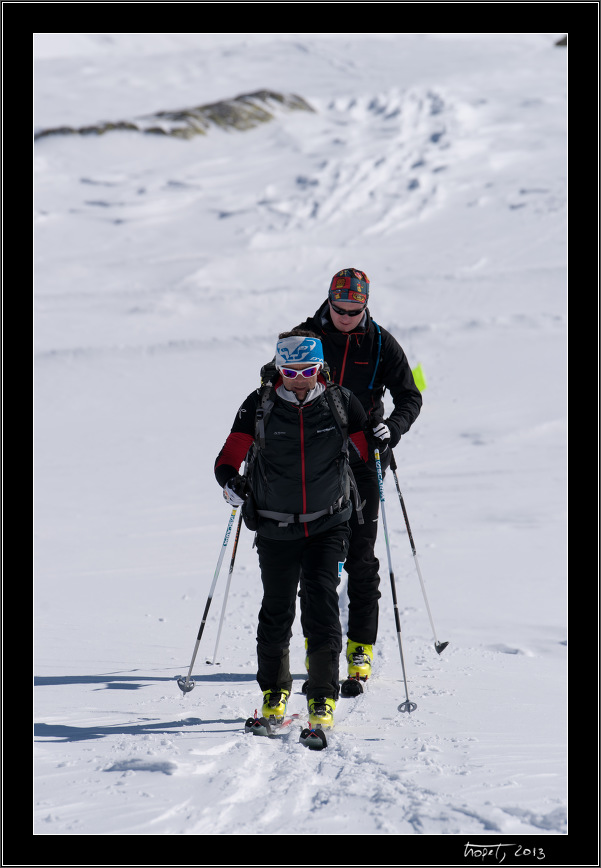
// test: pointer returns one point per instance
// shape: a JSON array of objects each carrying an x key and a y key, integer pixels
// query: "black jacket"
[
  {"x": 301, "y": 469},
  {"x": 368, "y": 361}
]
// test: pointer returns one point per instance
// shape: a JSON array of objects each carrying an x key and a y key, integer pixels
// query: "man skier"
[
  {"x": 365, "y": 358},
  {"x": 295, "y": 436}
]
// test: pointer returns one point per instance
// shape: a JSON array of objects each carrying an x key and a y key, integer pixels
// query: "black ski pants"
[
  {"x": 362, "y": 565},
  {"x": 281, "y": 561}
]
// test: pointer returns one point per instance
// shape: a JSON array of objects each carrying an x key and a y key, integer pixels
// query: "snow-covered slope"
[{"x": 164, "y": 271}]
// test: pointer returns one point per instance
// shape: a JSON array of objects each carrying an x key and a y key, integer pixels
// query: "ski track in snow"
[
  {"x": 221, "y": 775},
  {"x": 393, "y": 180},
  {"x": 308, "y": 792}
]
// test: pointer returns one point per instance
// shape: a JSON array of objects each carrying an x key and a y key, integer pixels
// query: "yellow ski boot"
[
  {"x": 321, "y": 712},
  {"x": 274, "y": 705},
  {"x": 359, "y": 659}
]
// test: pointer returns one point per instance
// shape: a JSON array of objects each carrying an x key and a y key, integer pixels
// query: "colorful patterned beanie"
[{"x": 350, "y": 284}]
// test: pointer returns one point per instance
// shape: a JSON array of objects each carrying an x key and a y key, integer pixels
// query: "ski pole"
[
  {"x": 227, "y": 588},
  {"x": 407, "y": 705},
  {"x": 184, "y": 683},
  {"x": 440, "y": 646}
]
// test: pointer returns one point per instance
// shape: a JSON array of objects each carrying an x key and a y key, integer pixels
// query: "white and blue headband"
[{"x": 298, "y": 350}]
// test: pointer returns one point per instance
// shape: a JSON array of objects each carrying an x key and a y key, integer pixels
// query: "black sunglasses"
[{"x": 342, "y": 312}]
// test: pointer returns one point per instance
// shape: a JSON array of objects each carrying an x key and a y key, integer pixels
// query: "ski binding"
[
  {"x": 314, "y": 739},
  {"x": 269, "y": 727}
]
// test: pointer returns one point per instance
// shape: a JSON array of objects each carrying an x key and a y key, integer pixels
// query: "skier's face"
[
  {"x": 300, "y": 385},
  {"x": 343, "y": 321}
]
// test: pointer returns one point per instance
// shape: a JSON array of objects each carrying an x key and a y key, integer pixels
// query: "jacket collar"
[{"x": 289, "y": 396}]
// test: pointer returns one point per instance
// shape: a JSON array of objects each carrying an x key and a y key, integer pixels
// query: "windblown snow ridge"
[{"x": 243, "y": 112}]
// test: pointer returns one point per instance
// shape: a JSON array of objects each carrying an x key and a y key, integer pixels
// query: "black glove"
[
  {"x": 235, "y": 491},
  {"x": 380, "y": 439},
  {"x": 382, "y": 432}
]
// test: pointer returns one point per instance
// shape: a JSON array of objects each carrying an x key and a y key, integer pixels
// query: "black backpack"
[{"x": 269, "y": 375}]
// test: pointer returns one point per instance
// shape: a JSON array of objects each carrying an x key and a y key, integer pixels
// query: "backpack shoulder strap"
[
  {"x": 264, "y": 408},
  {"x": 339, "y": 411},
  {"x": 334, "y": 398}
]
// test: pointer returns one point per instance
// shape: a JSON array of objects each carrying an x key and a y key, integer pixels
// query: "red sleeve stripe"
[
  {"x": 234, "y": 450},
  {"x": 360, "y": 443}
]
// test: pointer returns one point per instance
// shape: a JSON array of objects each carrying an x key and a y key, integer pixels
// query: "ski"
[
  {"x": 351, "y": 687},
  {"x": 268, "y": 727},
  {"x": 313, "y": 739}
]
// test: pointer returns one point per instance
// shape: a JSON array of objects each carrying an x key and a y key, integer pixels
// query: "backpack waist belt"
[{"x": 284, "y": 518}]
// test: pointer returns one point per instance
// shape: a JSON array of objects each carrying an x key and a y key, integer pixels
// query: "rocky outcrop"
[{"x": 244, "y": 112}]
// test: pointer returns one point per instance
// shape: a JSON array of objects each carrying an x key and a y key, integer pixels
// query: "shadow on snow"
[
  {"x": 64, "y": 733},
  {"x": 133, "y": 681}
]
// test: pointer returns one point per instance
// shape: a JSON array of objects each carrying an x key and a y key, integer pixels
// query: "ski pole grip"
[{"x": 392, "y": 461}]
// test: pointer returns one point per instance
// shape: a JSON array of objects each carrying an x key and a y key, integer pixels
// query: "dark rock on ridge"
[{"x": 244, "y": 112}]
